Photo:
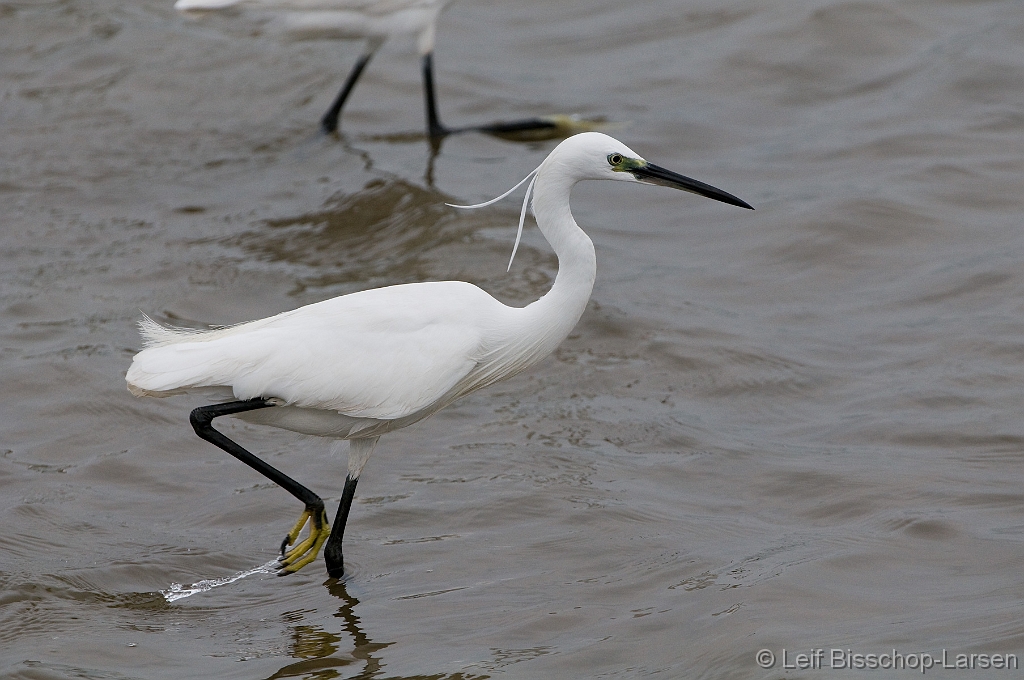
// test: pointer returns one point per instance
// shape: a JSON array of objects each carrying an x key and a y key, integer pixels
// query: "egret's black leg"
[
  {"x": 329, "y": 123},
  {"x": 202, "y": 419},
  {"x": 434, "y": 127},
  {"x": 332, "y": 550}
]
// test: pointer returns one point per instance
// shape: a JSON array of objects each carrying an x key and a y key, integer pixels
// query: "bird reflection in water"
[{"x": 319, "y": 650}]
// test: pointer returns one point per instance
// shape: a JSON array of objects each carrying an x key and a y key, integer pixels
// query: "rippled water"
[{"x": 797, "y": 428}]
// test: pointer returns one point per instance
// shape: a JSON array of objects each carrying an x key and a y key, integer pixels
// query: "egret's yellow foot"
[{"x": 306, "y": 551}]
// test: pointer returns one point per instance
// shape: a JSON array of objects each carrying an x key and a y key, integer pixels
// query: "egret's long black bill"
[{"x": 653, "y": 174}]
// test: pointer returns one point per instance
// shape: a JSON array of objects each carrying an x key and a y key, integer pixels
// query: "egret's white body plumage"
[
  {"x": 359, "y": 365},
  {"x": 377, "y": 358}
]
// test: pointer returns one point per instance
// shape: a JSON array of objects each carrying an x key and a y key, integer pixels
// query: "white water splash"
[{"x": 177, "y": 591}]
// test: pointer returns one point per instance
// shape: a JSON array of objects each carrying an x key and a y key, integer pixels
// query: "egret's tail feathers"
[
  {"x": 175, "y": 360},
  {"x": 174, "y": 367},
  {"x": 155, "y": 334}
]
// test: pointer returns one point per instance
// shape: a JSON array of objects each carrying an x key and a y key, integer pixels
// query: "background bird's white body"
[{"x": 375, "y": 20}]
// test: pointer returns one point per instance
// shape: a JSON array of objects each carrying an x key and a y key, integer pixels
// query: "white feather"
[{"x": 522, "y": 215}]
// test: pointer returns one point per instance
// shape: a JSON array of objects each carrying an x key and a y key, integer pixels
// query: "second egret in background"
[{"x": 376, "y": 21}]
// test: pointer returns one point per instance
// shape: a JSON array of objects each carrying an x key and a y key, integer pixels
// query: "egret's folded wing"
[{"x": 377, "y": 354}]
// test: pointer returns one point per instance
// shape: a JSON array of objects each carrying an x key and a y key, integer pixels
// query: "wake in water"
[{"x": 177, "y": 591}]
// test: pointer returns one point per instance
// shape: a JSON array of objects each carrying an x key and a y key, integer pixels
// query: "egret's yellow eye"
[{"x": 615, "y": 158}]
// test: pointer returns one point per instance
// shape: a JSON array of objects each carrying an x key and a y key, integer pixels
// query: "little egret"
[
  {"x": 375, "y": 21},
  {"x": 357, "y": 366}
]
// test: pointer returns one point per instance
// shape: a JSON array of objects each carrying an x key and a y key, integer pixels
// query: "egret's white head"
[
  {"x": 595, "y": 155},
  {"x": 588, "y": 156}
]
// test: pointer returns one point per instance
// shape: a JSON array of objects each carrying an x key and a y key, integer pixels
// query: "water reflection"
[{"x": 321, "y": 655}]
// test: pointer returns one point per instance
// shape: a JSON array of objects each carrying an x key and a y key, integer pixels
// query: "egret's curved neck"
[
  {"x": 533, "y": 332},
  {"x": 560, "y": 309}
]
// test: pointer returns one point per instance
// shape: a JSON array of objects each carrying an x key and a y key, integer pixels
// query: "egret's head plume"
[{"x": 522, "y": 215}]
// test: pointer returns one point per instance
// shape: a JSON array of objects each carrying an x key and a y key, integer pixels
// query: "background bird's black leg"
[
  {"x": 434, "y": 127},
  {"x": 329, "y": 123},
  {"x": 332, "y": 550}
]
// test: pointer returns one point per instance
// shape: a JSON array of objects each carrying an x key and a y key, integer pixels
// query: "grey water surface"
[{"x": 793, "y": 429}]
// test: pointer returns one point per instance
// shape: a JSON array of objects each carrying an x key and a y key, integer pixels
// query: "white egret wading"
[
  {"x": 357, "y": 366},
  {"x": 374, "y": 21}
]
